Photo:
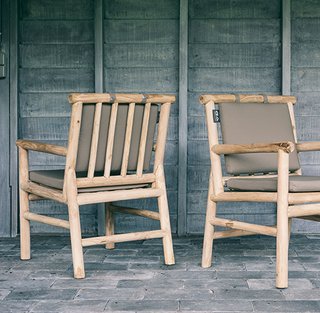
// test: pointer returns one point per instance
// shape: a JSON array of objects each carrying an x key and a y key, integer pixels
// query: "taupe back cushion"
[
  {"x": 247, "y": 123},
  {"x": 118, "y": 145}
]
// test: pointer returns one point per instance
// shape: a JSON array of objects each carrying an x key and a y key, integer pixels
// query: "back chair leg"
[
  {"x": 75, "y": 227},
  {"x": 209, "y": 229},
  {"x": 24, "y": 227},
  {"x": 165, "y": 219},
  {"x": 109, "y": 225}
]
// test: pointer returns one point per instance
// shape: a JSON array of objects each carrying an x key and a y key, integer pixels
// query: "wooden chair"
[
  {"x": 261, "y": 157},
  {"x": 107, "y": 159}
]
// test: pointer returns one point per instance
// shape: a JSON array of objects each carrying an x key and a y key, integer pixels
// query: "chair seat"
[
  {"x": 55, "y": 179},
  {"x": 297, "y": 183}
]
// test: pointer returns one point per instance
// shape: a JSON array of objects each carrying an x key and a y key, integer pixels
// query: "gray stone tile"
[
  {"x": 245, "y": 274},
  {"x": 73, "y": 306},
  {"x": 27, "y": 284},
  {"x": 14, "y": 306},
  {"x": 270, "y": 283},
  {"x": 231, "y": 294},
  {"x": 108, "y": 294},
  {"x": 88, "y": 283},
  {"x": 144, "y": 305},
  {"x": 287, "y": 306},
  {"x": 43, "y": 294},
  {"x": 186, "y": 275},
  {"x": 132, "y": 259},
  {"x": 118, "y": 275},
  {"x": 301, "y": 294},
  {"x": 178, "y": 294},
  {"x": 216, "y": 305},
  {"x": 215, "y": 284}
]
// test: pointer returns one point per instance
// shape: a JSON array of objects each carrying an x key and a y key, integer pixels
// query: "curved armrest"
[
  {"x": 308, "y": 146},
  {"x": 42, "y": 147},
  {"x": 274, "y": 147}
]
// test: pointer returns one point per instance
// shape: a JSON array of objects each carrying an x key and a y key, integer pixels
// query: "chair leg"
[
  {"x": 109, "y": 225},
  {"x": 75, "y": 227},
  {"x": 165, "y": 219},
  {"x": 24, "y": 227},
  {"x": 208, "y": 230}
]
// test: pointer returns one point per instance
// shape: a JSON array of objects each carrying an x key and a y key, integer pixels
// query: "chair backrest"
[
  {"x": 113, "y": 134},
  {"x": 247, "y": 119}
]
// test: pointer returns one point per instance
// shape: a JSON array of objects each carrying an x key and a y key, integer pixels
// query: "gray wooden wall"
[{"x": 234, "y": 46}]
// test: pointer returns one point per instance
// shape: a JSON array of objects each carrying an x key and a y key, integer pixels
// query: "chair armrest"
[
  {"x": 42, "y": 147},
  {"x": 308, "y": 146},
  {"x": 274, "y": 147}
]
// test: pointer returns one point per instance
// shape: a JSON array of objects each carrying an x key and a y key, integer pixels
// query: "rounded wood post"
[
  {"x": 24, "y": 206},
  {"x": 109, "y": 225},
  {"x": 282, "y": 221},
  {"x": 209, "y": 229},
  {"x": 75, "y": 227},
  {"x": 164, "y": 217}
]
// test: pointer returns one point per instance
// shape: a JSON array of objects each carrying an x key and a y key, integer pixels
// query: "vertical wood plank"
[
  {"x": 111, "y": 133},
  {"x": 143, "y": 138},
  {"x": 94, "y": 140},
  {"x": 14, "y": 114},
  {"x": 286, "y": 47},
  {"x": 99, "y": 82},
  {"x": 126, "y": 150},
  {"x": 183, "y": 118}
]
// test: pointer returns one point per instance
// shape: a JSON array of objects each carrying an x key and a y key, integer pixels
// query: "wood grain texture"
[
  {"x": 56, "y": 55},
  {"x": 58, "y": 10},
  {"x": 56, "y": 31},
  {"x": 235, "y": 55},
  {"x": 234, "y": 9},
  {"x": 234, "y": 31},
  {"x": 143, "y": 31},
  {"x": 127, "y": 9}
]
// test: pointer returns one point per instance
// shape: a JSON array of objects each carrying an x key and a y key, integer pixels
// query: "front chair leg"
[
  {"x": 165, "y": 219},
  {"x": 24, "y": 227},
  {"x": 109, "y": 224},
  {"x": 75, "y": 227}
]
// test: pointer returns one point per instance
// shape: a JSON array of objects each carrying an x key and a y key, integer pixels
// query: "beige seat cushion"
[
  {"x": 296, "y": 184},
  {"x": 55, "y": 178}
]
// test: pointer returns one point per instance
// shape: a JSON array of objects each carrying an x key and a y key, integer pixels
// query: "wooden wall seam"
[
  {"x": 183, "y": 118},
  {"x": 286, "y": 47}
]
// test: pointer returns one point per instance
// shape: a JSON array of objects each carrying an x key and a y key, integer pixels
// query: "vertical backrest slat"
[
  {"x": 162, "y": 134},
  {"x": 73, "y": 141},
  {"x": 213, "y": 139},
  {"x": 94, "y": 140},
  {"x": 126, "y": 150},
  {"x": 294, "y": 129},
  {"x": 111, "y": 133},
  {"x": 143, "y": 138}
]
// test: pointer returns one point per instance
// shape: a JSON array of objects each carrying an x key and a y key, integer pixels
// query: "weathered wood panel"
[
  {"x": 142, "y": 31},
  {"x": 236, "y": 79},
  {"x": 56, "y": 80},
  {"x": 141, "y": 55},
  {"x": 128, "y": 9},
  {"x": 228, "y": 9},
  {"x": 234, "y": 30},
  {"x": 235, "y": 55},
  {"x": 306, "y": 8},
  {"x": 159, "y": 80},
  {"x": 56, "y": 56},
  {"x": 56, "y": 31},
  {"x": 44, "y": 104},
  {"x": 57, "y": 10}
]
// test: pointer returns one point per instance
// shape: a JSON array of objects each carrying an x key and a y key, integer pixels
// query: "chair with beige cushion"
[
  {"x": 111, "y": 138},
  {"x": 262, "y": 165}
]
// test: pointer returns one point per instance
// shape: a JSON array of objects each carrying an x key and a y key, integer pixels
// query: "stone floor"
[{"x": 132, "y": 278}]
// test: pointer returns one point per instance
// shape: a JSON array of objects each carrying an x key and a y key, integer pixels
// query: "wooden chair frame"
[
  {"x": 30, "y": 191},
  {"x": 289, "y": 205}
]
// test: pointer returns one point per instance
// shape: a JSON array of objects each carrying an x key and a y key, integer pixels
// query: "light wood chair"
[
  {"x": 261, "y": 157},
  {"x": 107, "y": 159}
]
